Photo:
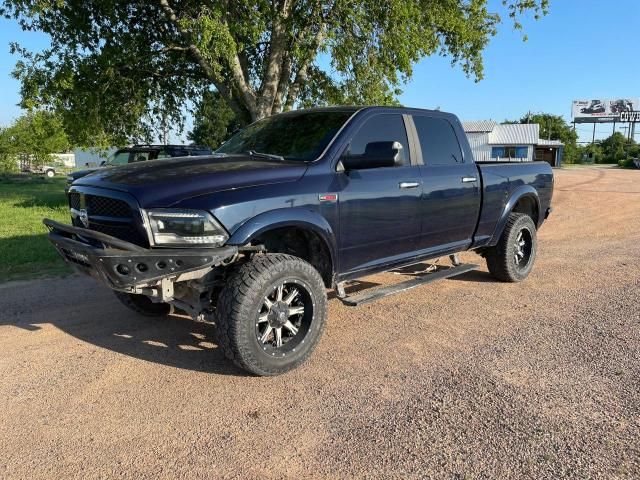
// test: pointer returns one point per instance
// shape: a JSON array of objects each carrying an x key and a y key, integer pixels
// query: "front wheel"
[
  {"x": 271, "y": 314},
  {"x": 511, "y": 260},
  {"x": 50, "y": 173}
]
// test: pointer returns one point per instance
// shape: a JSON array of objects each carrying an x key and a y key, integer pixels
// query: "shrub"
[{"x": 8, "y": 164}]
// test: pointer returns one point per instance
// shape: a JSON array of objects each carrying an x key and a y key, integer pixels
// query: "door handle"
[
  {"x": 469, "y": 179},
  {"x": 408, "y": 184}
]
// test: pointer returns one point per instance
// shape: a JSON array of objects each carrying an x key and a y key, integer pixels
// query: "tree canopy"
[
  {"x": 213, "y": 121},
  {"x": 35, "y": 135},
  {"x": 618, "y": 149},
  {"x": 115, "y": 67}
]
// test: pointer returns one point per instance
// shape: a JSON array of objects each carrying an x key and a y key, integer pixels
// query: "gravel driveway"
[{"x": 466, "y": 378}]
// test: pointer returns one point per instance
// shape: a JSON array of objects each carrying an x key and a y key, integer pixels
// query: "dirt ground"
[{"x": 465, "y": 378}]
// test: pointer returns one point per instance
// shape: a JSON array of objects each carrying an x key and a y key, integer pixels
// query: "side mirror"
[
  {"x": 376, "y": 155},
  {"x": 103, "y": 163}
]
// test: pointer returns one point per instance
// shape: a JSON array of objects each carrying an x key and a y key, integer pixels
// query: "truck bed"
[{"x": 501, "y": 177}]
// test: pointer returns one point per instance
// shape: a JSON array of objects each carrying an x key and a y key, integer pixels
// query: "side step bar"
[{"x": 378, "y": 293}]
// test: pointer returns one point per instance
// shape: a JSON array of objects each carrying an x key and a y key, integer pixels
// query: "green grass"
[{"x": 25, "y": 251}]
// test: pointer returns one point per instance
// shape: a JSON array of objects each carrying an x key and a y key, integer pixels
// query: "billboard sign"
[
  {"x": 633, "y": 116},
  {"x": 602, "y": 110}
]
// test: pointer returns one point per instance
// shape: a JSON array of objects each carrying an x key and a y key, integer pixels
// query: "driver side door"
[{"x": 379, "y": 207}]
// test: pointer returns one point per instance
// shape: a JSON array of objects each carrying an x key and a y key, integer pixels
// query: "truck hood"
[
  {"x": 164, "y": 182},
  {"x": 81, "y": 173}
]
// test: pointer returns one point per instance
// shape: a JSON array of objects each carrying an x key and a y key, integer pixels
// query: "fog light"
[{"x": 122, "y": 269}]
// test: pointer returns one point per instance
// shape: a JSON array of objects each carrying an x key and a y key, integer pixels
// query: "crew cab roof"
[{"x": 357, "y": 108}]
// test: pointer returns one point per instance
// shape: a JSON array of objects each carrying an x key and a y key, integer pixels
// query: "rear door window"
[{"x": 438, "y": 141}]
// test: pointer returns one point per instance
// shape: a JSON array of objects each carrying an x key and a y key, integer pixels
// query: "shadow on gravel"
[
  {"x": 91, "y": 313},
  {"x": 174, "y": 340},
  {"x": 475, "y": 276}
]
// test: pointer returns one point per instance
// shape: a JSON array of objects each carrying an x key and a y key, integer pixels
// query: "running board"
[{"x": 378, "y": 293}]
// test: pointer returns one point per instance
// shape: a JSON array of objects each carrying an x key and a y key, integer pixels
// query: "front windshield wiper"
[{"x": 268, "y": 156}]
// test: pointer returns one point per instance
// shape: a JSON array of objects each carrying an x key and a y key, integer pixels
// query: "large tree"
[
  {"x": 34, "y": 137},
  {"x": 114, "y": 67},
  {"x": 213, "y": 121},
  {"x": 617, "y": 148},
  {"x": 555, "y": 127}
]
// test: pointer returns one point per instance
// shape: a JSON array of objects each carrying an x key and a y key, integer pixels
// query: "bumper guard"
[{"x": 126, "y": 266}]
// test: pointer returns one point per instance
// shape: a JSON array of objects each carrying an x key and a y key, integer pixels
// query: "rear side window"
[
  {"x": 381, "y": 128},
  {"x": 438, "y": 141},
  {"x": 139, "y": 157}
]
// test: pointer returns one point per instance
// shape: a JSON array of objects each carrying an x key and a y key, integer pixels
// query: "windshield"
[{"x": 301, "y": 136}]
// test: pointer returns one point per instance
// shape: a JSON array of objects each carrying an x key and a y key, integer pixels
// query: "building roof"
[
  {"x": 508, "y": 134},
  {"x": 482, "y": 126},
  {"x": 515, "y": 134}
]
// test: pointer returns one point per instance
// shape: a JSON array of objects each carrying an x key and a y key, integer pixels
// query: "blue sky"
[{"x": 582, "y": 49}]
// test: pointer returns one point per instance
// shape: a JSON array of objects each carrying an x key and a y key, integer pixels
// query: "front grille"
[
  {"x": 74, "y": 200},
  {"x": 101, "y": 206},
  {"x": 126, "y": 232},
  {"x": 107, "y": 207},
  {"x": 107, "y": 215}
]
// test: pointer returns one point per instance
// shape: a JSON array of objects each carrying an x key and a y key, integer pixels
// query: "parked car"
[
  {"x": 46, "y": 170},
  {"x": 292, "y": 205},
  {"x": 140, "y": 153}
]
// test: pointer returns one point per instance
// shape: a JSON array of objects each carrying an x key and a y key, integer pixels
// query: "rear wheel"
[
  {"x": 50, "y": 173},
  {"x": 511, "y": 260},
  {"x": 143, "y": 305},
  {"x": 271, "y": 314}
]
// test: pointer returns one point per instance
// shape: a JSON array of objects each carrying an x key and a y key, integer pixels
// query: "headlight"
[
  {"x": 185, "y": 227},
  {"x": 70, "y": 179}
]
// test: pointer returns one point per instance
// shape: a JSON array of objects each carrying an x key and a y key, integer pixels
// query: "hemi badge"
[{"x": 328, "y": 197}]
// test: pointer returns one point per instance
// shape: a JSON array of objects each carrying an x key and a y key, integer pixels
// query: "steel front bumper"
[{"x": 123, "y": 265}]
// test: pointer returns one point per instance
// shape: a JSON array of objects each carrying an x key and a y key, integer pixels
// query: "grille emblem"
[{"x": 84, "y": 217}]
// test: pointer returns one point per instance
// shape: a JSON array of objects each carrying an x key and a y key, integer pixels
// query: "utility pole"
[
  {"x": 593, "y": 139},
  {"x": 626, "y": 130}
]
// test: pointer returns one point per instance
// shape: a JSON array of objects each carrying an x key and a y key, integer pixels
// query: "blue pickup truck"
[{"x": 251, "y": 237}]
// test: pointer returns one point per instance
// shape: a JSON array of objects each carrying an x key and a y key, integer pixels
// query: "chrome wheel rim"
[
  {"x": 522, "y": 249},
  {"x": 284, "y": 318}
]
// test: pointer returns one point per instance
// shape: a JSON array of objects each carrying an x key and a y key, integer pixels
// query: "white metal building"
[{"x": 517, "y": 142}]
